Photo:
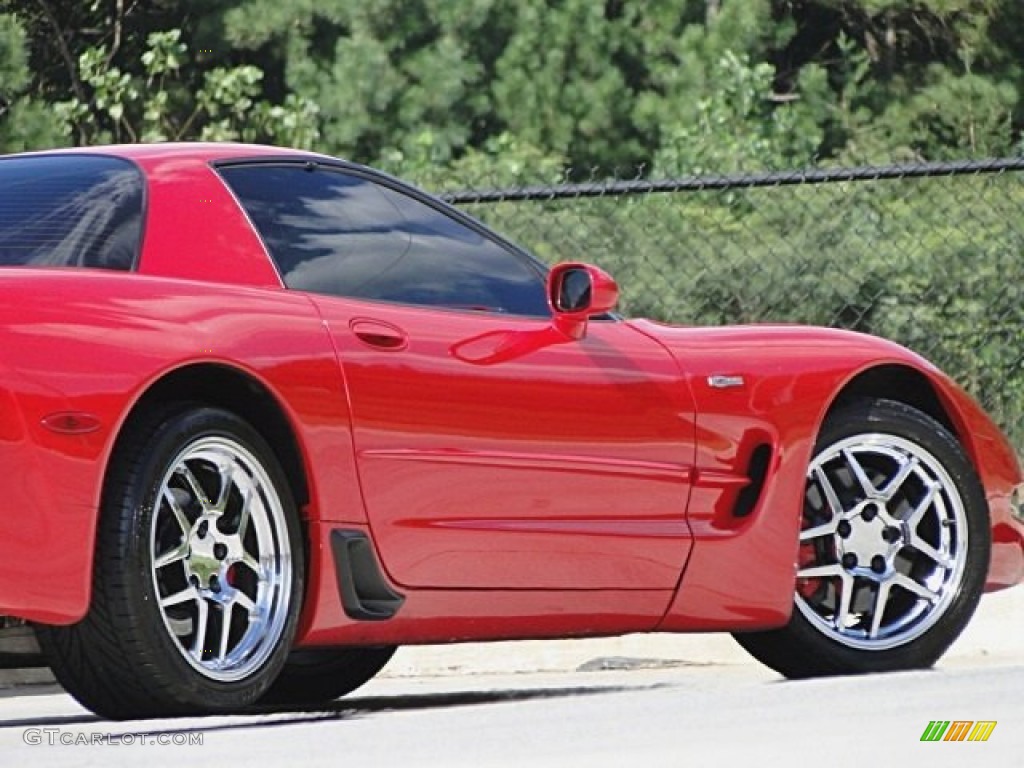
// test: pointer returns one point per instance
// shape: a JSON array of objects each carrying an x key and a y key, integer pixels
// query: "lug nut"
[
  {"x": 204, "y": 527},
  {"x": 849, "y": 560},
  {"x": 220, "y": 550},
  {"x": 869, "y": 514},
  {"x": 214, "y": 583},
  {"x": 878, "y": 564},
  {"x": 891, "y": 534},
  {"x": 844, "y": 528}
]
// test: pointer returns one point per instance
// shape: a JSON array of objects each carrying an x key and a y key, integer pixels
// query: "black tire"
[
  {"x": 881, "y": 547},
  {"x": 165, "y": 548},
  {"x": 317, "y": 676}
]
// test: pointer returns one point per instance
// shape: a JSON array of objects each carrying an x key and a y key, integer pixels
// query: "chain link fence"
[{"x": 929, "y": 255}]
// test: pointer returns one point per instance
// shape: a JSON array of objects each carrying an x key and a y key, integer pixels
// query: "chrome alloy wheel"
[
  {"x": 883, "y": 543},
  {"x": 221, "y": 558}
]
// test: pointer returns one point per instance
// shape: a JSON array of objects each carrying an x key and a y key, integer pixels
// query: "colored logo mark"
[{"x": 958, "y": 730}]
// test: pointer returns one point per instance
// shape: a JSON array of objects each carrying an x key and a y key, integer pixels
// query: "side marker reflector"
[{"x": 71, "y": 423}]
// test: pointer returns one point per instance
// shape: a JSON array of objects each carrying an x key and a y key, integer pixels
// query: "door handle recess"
[{"x": 379, "y": 334}]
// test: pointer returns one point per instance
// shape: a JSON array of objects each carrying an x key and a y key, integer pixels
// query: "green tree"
[
  {"x": 25, "y": 122},
  {"x": 117, "y": 71},
  {"x": 736, "y": 126},
  {"x": 161, "y": 105},
  {"x": 606, "y": 85},
  {"x": 382, "y": 73},
  {"x": 911, "y": 79}
]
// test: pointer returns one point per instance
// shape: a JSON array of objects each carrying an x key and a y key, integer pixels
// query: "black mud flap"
[{"x": 365, "y": 593}]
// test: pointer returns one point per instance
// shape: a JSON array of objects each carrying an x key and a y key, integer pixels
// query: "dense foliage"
[{"x": 669, "y": 84}]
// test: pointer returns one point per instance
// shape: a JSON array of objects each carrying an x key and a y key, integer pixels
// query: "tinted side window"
[
  {"x": 70, "y": 211},
  {"x": 331, "y": 232}
]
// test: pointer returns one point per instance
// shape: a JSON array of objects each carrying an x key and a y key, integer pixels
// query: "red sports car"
[{"x": 268, "y": 415}]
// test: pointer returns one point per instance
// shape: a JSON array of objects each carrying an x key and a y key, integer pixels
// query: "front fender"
[{"x": 769, "y": 388}]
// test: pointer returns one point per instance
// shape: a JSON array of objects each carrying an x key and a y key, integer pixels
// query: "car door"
[{"x": 493, "y": 451}]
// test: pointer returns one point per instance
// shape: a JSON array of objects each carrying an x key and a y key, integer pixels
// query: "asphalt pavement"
[
  {"x": 640, "y": 700},
  {"x": 680, "y": 716}
]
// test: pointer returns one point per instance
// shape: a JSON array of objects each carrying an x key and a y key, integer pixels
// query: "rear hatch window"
[{"x": 70, "y": 211}]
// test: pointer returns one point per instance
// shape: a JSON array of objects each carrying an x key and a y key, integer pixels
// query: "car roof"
[
  {"x": 152, "y": 158},
  {"x": 209, "y": 151}
]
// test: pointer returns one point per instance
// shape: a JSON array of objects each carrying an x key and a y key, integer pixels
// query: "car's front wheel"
[
  {"x": 198, "y": 573},
  {"x": 894, "y": 547}
]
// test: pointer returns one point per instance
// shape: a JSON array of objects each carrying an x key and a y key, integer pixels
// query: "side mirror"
[{"x": 577, "y": 292}]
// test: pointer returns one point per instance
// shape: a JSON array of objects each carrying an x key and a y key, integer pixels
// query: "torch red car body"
[{"x": 454, "y": 473}]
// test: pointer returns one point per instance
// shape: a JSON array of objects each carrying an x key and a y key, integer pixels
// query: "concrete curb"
[{"x": 997, "y": 630}]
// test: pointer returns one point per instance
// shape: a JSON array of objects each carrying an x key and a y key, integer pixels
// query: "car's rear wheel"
[
  {"x": 894, "y": 547},
  {"x": 198, "y": 573},
  {"x": 318, "y": 675}
]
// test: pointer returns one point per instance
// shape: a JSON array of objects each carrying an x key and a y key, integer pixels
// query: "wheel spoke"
[
  {"x": 914, "y": 518},
  {"x": 226, "y": 473},
  {"x": 177, "y": 511},
  {"x": 845, "y": 600},
  {"x": 243, "y": 518},
  {"x": 907, "y": 583},
  {"x": 821, "y": 571},
  {"x": 881, "y": 600},
  {"x": 907, "y": 466},
  {"x": 225, "y": 631},
  {"x": 231, "y": 476},
  {"x": 188, "y": 593},
  {"x": 870, "y": 492},
  {"x": 173, "y": 555},
  {"x": 197, "y": 490},
  {"x": 830, "y": 493},
  {"x": 926, "y": 549},
  {"x": 199, "y": 641},
  {"x": 818, "y": 531},
  {"x": 246, "y": 602}
]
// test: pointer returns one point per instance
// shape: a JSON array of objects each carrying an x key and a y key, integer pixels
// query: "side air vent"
[
  {"x": 757, "y": 470},
  {"x": 365, "y": 593}
]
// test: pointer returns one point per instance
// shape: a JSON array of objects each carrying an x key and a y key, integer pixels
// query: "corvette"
[{"x": 267, "y": 415}]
